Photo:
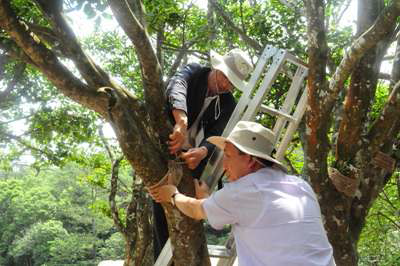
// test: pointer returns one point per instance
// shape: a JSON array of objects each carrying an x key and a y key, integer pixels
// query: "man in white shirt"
[{"x": 275, "y": 217}]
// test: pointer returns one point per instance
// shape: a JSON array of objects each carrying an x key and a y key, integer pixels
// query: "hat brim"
[
  {"x": 221, "y": 141},
  {"x": 217, "y": 62}
]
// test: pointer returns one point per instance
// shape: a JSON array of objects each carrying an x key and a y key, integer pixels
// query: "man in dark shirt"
[{"x": 200, "y": 101}]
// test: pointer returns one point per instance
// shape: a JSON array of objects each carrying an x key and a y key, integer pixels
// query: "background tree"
[
  {"x": 345, "y": 129},
  {"x": 51, "y": 218}
]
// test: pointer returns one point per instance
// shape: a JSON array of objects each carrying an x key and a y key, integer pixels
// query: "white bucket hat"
[
  {"x": 235, "y": 65},
  {"x": 251, "y": 138}
]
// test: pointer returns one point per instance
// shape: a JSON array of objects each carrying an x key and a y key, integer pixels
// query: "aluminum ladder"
[{"x": 272, "y": 62}]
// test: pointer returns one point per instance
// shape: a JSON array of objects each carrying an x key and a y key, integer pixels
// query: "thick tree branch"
[
  {"x": 11, "y": 50},
  {"x": 249, "y": 41},
  {"x": 369, "y": 39},
  {"x": 383, "y": 127},
  {"x": 92, "y": 73},
  {"x": 47, "y": 62},
  {"x": 150, "y": 67},
  {"x": 45, "y": 34},
  {"x": 316, "y": 123},
  {"x": 362, "y": 88},
  {"x": 317, "y": 143}
]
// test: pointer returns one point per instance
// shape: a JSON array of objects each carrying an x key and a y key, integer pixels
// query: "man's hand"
[
  {"x": 201, "y": 188},
  {"x": 194, "y": 156},
  {"x": 163, "y": 193},
  {"x": 177, "y": 138}
]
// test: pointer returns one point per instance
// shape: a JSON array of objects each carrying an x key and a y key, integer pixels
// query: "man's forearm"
[
  {"x": 180, "y": 117},
  {"x": 190, "y": 206}
]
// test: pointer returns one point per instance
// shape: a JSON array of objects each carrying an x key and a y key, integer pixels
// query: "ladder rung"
[
  {"x": 273, "y": 111},
  {"x": 219, "y": 251}
]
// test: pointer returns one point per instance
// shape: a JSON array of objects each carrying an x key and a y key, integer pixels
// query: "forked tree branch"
[
  {"x": 317, "y": 123},
  {"x": 48, "y": 63},
  {"x": 130, "y": 21},
  {"x": 12, "y": 50},
  {"x": 361, "y": 91},
  {"x": 90, "y": 71},
  {"x": 369, "y": 39}
]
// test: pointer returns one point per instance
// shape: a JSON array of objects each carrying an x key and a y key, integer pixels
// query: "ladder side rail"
[
  {"x": 298, "y": 115},
  {"x": 265, "y": 86},
  {"x": 289, "y": 101},
  {"x": 294, "y": 89},
  {"x": 244, "y": 100},
  {"x": 211, "y": 174}
]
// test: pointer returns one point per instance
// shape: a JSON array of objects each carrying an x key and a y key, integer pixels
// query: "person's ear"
[{"x": 252, "y": 161}]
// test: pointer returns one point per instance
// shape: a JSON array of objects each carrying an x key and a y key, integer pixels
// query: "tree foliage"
[
  {"x": 117, "y": 76},
  {"x": 47, "y": 219}
]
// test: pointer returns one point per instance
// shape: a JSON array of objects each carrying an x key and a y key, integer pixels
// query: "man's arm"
[
  {"x": 176, "y": 94},
  {"x": 177, "y": 86},
  {"x": 192, "y": 207},
  {"x": 177, "y": 137}
]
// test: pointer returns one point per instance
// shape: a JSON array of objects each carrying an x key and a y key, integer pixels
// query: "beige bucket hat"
[
  {"x": 251, "y": 138},
  {"x": 235, "y": 65}
]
